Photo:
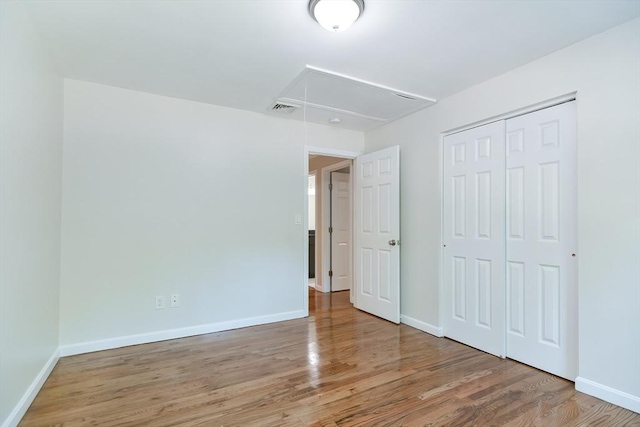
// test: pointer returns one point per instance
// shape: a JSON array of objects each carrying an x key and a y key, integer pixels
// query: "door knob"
[{"x": 393, "y": 242}]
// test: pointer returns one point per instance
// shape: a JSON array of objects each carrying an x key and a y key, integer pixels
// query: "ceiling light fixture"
[{"x": 336, "y": 15}]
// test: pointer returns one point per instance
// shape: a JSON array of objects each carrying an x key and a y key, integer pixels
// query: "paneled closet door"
[
  {"x": 474, "y": 164},
  {"x": 541, "y": 266}
]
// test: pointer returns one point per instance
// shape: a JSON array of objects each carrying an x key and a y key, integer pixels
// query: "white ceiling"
[{"x": 243, "y": 54}]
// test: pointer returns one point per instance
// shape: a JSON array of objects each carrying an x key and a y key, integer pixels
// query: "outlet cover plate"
[
  {"x": 175, "y": 300},
  {"x": 160, "y": 302}
]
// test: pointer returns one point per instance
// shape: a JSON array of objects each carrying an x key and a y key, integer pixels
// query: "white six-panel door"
[
  {"x": 509, "y": 230},
  {"x": 341, "y": 231},
  {"x": 474, "y": 237},
  {"x": 541, "y": 268},
  {"x": 377, "y": 232}
]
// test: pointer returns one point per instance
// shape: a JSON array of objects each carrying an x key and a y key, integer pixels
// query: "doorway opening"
[
  {"x": 330, "y": 223},
  {"x": 328, "y": 230}
]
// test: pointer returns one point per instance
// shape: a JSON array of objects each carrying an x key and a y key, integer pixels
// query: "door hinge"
[
  {"x": 330, "y": 273},
  {"x": 330, "y": 187},
  {"x": 330, "y": 230}
]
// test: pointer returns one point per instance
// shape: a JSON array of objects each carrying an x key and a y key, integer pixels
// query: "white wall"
[
  {"x": 604, "y": 71},
  {"x": 160, "y": 197},
  {"x": 30, "y": 172}
]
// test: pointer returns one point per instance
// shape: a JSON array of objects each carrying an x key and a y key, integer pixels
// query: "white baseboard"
[
  {"x": 608, "y": 394},
  {"x": 27, "y": 398},
  {"x": 124, "y": 341},
  {"x": 423, "y": 326}
]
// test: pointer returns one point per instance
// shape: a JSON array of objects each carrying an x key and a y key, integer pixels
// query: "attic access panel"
[{"x": 338, "y": 93}]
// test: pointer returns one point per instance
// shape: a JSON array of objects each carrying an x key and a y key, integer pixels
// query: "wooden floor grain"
[{"x": 339, "y": 367}]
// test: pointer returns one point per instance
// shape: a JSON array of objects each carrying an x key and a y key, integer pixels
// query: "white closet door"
[
  {"x": 474, "y": 237},
  {"x": 541, "y": 268}
]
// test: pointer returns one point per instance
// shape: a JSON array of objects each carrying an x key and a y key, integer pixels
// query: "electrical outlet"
[
  {"x": 160, "y": 302},
  {"x": 175, "y": 300}
]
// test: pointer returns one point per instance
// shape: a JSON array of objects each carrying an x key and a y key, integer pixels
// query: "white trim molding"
[
  {"x": 331, "y": 152},
  {"x": 27, "y": 398},
  {"x": 423, "y": 326},
  {"x": 608, "y": 394},
  {"x": 124, "y": 341}
]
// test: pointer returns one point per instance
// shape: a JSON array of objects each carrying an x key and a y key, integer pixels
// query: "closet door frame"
[{"x": 572, "y": 96}]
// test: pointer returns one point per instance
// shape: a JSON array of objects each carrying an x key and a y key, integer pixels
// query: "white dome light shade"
[{"x": 336, "y": 15}]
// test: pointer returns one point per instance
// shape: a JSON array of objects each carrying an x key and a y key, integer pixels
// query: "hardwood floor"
[{"x": 339, "y": 367}]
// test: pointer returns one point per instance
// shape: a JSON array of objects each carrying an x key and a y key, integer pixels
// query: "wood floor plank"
[{"x": 339, "y": 367}]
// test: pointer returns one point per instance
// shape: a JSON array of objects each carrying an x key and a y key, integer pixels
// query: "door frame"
[
  {"x": 326, "y": 215},
  {"x": 321, "y": 151}
]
